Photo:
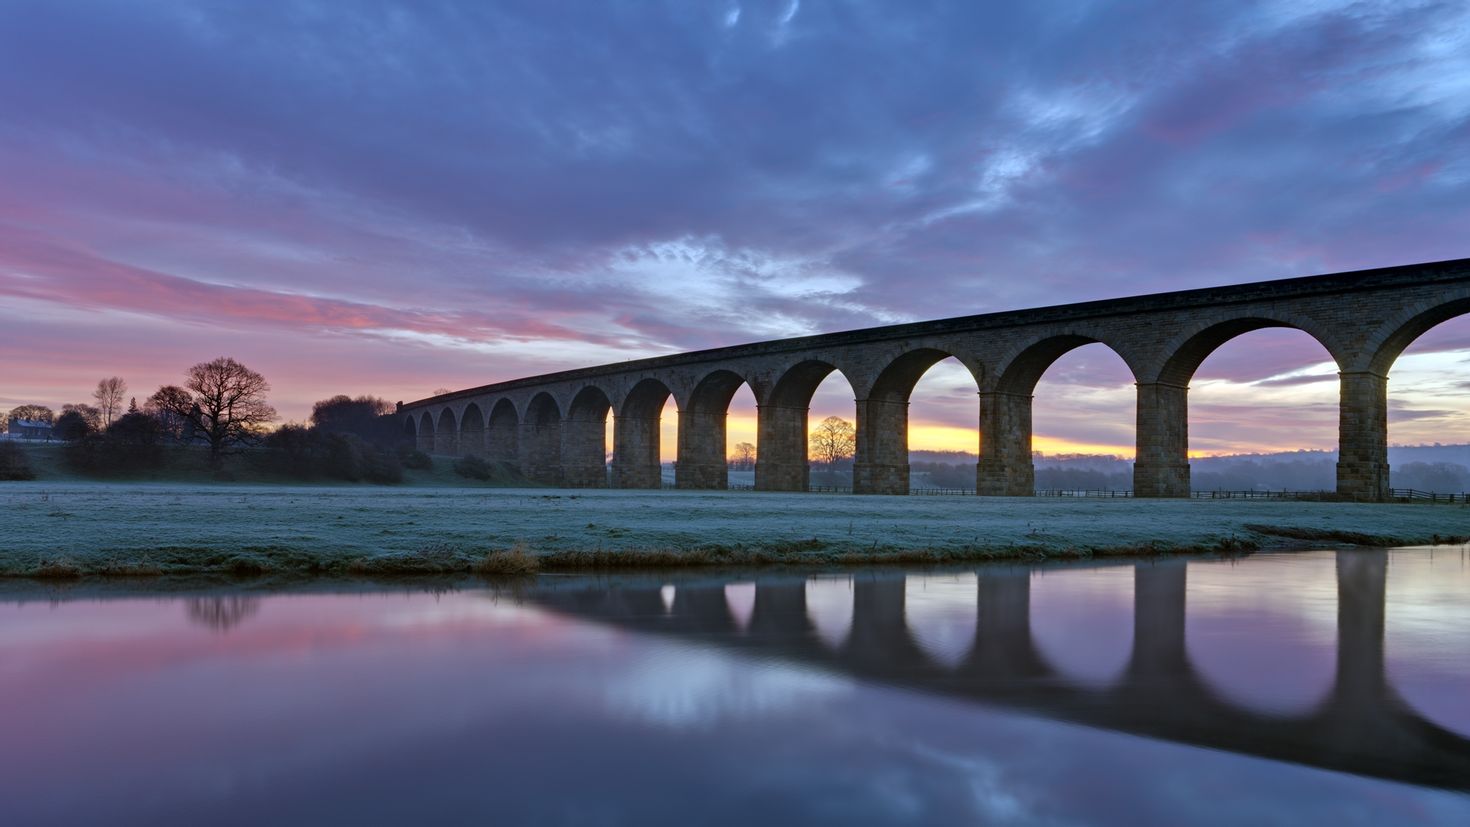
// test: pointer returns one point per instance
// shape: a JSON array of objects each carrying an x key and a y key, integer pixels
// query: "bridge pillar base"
[
  {"x": 1161, "y": 468},
  {"x": 781, "y": 476},
  {"x": 643, "y": 475},
  {"x": 880, "y": 478},
  {"x": 1362, "y": 467},
  {"x": 584, "y": 476},
  {"x": 1005, "y": 468},
  {"x": 636, "y": 452},
  {"x": 701, "y": 476},
  {"x": 781, "y": 461},
  {"x": 541, "y": 452},
  {"x": 881, "y": 461},
  {"x": 1150, "y": 480}
]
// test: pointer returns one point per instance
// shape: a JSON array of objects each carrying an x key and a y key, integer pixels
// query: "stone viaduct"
[
  {"x": 1362, "y": 725},
  {"x": 552, "y": 427}
]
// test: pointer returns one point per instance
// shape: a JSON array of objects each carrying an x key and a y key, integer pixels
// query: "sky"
[{"x": 393, "y": 197}]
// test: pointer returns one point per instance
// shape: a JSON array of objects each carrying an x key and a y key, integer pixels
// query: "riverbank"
[{"x": 142, "y": 530}]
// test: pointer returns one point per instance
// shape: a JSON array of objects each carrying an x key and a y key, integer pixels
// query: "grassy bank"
[{"x": 69, "y": 530}]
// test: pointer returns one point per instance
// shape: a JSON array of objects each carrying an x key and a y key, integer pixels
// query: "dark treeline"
[
  {"x": 352, "y": 440},
  {"x": 347, "y": 439}
]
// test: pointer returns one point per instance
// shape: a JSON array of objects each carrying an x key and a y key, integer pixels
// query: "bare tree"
[
  {"x": 833, "y": 441},
  {"x": 743, "y": 457},
  {"x": 109, "y": 396},
  {"x": 226, "y": 404}
]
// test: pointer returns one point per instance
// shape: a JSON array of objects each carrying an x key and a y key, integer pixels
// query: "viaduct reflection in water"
[{"x": 1362, "y": 725}]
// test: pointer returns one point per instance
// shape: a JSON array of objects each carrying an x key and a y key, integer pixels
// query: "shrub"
[
  {"x": 417, "y": 460},
  {"x": 381, "y": 467},
  {"x": 311, "y": 453},
  {"x": 288, "y": 451},
  {"x": 341, "y": 456},
  {"x": 133, "y": 443},
  {"x": 72, "y": 426},
  {"x": 472, "y": 467},
  {"x": 13, "y": 463}
]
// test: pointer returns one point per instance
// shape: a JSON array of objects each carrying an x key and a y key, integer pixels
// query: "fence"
[
  {"x": 1396, "y": 494},
  {"x": 1417, "y": 496}
]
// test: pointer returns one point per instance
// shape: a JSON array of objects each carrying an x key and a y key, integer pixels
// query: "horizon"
[{"x": 395, "y": 199}]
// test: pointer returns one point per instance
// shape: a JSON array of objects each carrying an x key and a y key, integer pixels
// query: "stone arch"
[
  {"x": 1400, "y": 332},
  {"x": 584, "y": 439},
  {"x": 781, "y": 454},
  {"x": 1362, "y": 467},
  {"x": 502, "y": 433},
  {"x": 472, "y": 431},
  {"x": 1184, "y": 356},
  {"x": 540, "y": 440},
  {"x": 446, "y": 434},
  {"x": 882, "y": 462},
  {"x": 636, "y": 449},
  {"x": 1161, "y": 466},
  {"x": 1005, "y": 466},
  {"x": 426, "y": 433},
  {"x": 702, "y": 462}
]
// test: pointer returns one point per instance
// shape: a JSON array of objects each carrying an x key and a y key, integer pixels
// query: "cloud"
[{"x": 542, "y": 190}]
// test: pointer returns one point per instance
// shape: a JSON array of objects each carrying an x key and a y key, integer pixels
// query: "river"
[{"x": 1327, "y": 687}]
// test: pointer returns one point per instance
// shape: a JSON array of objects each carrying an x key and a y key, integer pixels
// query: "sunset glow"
[{"x": 444, "y": 200}]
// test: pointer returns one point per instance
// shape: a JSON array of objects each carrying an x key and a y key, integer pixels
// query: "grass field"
[{"x": 70, "y": 529}]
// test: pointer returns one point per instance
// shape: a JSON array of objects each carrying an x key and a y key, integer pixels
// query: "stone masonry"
[{"x": 553, "y": 426}]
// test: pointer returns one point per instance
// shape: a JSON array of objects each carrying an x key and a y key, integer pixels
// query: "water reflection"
[
  {"x": 221, "y": 613},
  {"x": 854, "y": 698},
  {"x": 1259, "y": 669},
  {"x": 1083, "y": 621}
]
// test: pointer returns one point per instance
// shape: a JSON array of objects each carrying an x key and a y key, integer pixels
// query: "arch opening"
[
  {"x": 1427, "y": 444},
  {"x": 1084, "y": 423},
  {"x": 787, "y": 459},
  {"x": 1162, "y": 466},
  {"x": 1006, "y": 467},
  {"x": 584, "y": 439},
  {"x": 1264, "y": 414},
  {"x": 540, "y": 440},
  {"x": 742, "y": 440},
  {"x": 703, "y": 458},
  {"x": 472, "y": 431},
  {"x": 885, "y": 432},
  {"x": 637, "y": 436}
]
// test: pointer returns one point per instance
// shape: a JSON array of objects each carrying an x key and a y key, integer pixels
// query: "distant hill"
[{"x": 1441, "y": 468}]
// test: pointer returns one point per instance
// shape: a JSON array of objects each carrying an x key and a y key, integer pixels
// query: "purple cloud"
[{"x": 655, "y": 178}]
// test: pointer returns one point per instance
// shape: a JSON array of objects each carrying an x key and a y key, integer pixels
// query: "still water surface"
[{"x": 1323, "y": 687}]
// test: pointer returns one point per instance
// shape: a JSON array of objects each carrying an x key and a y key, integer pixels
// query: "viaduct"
[
  {"x": 552, "y": 427},
  {"x": 1362, "y": 725}
]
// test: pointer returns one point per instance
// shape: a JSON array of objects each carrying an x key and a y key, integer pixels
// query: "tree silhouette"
[
  {"x": 109, "y": 396},
  {"x": 743, "y": 457},
  {"x": 221, "y": 613},
  {"x": 223, "y": 400},
  {"x": 834, "y": 440}
]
